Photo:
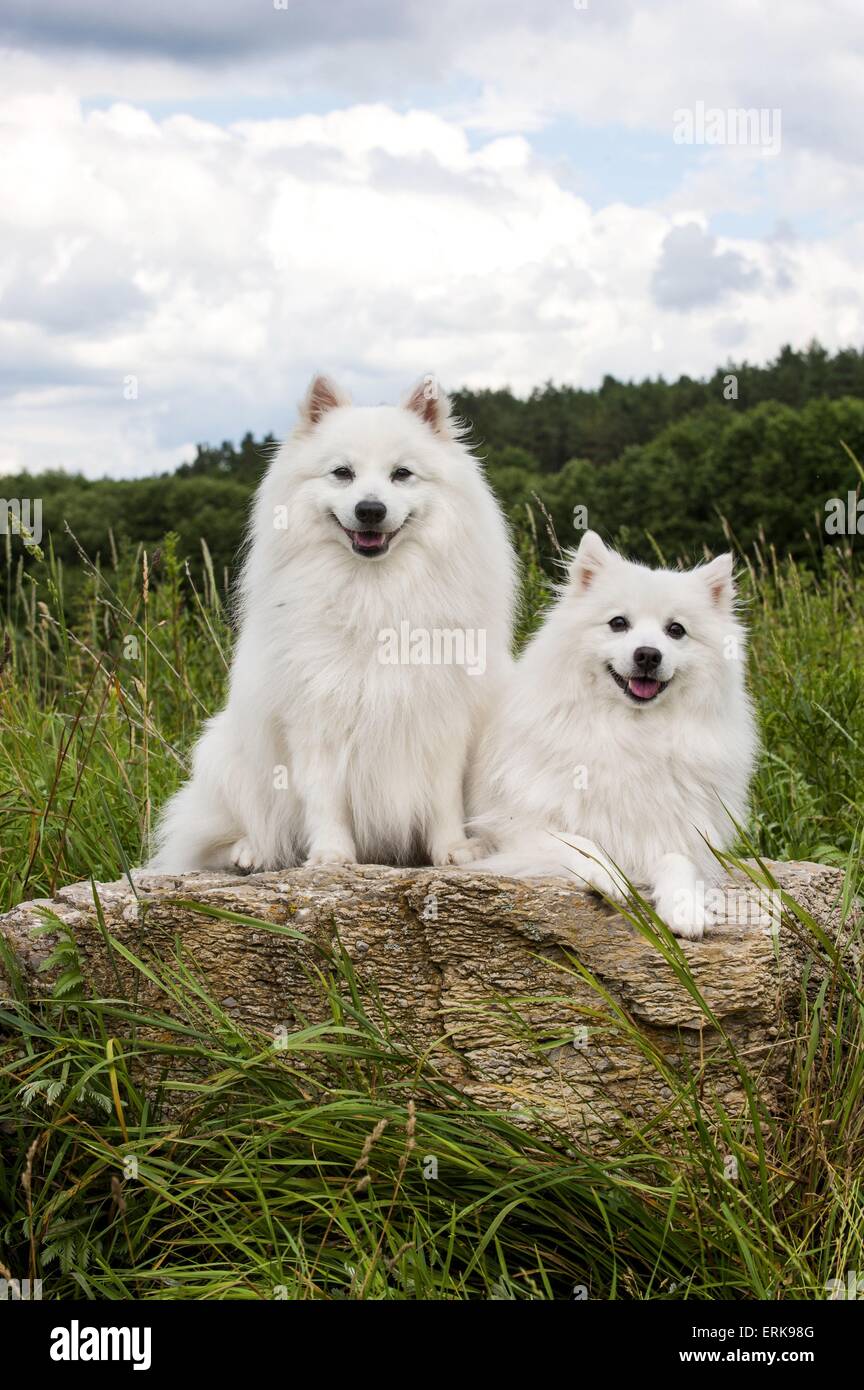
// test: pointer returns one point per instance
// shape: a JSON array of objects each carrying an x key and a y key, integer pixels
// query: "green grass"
[{"x": 306, "y": 1172}]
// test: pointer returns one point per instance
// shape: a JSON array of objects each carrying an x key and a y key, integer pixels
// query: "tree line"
[{"x": 752, "y": 454}]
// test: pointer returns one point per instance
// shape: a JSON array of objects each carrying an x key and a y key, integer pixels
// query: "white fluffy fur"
[
  {"x": 375, "y": 753},
  {"x": 658, "y": 776}
]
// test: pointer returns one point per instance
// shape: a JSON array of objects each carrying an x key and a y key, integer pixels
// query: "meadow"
[{"x": 307, "y": 1181}]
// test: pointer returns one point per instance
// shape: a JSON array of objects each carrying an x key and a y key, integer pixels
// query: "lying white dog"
[
  {"x": 627, "y": 722},
  {"x": 375, "y": 629}
]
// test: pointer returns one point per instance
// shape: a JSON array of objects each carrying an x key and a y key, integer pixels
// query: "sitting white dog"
[
  {"x": 627, "y": 732},
  {"x": 375, "y": 630}
]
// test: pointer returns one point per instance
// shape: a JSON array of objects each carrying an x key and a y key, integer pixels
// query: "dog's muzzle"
[
  {"x": 366, "y": 541},
  {"x": 640, "y": 687}
]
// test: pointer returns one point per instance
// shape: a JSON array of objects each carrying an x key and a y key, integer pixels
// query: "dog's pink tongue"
[
  {"x": 643, "y": 688},
  {"x": 369, "y": 540}
]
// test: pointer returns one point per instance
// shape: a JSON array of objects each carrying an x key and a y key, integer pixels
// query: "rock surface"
[{"x": 525, "y": 994}]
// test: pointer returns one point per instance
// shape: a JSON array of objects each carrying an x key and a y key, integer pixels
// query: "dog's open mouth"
[
  {"x": 370, "y": 543},
  {"x": 642, "y": 689}
]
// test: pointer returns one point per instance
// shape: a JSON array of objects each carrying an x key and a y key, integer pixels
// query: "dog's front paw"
[
  {"x": 463, "y": 851},
  {"x": 685, "y": 913},
  {"x": 586, "y": 861},
  {"x": 242, "y": 855},
  {"x": 330, "y": 854},
  {"x": 606, "y": 882}
]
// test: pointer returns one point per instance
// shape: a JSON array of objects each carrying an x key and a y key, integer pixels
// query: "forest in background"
[{"x": 670, "y": 468}]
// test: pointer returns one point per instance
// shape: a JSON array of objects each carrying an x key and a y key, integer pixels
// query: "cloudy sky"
[{"x": 203, "y": 201}]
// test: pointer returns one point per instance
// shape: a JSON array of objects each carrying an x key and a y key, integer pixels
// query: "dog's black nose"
[
  {"x": 647, "y": 657},
  {"x": 370, "y": 512}
]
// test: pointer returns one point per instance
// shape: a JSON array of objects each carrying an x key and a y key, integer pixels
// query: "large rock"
[{"x": 531, "y": 997}]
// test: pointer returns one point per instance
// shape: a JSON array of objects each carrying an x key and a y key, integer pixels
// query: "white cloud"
[
  {"x": 693, "y": 271},
  {"x": 220, "y": 261}
]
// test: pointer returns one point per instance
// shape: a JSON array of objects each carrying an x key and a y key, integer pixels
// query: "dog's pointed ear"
[
  {"x": 718, "y": 575},
  {"x": 322, "y": 395},
  {"x": 428, "y": 401},
  {"x": 587, "y": 562}
]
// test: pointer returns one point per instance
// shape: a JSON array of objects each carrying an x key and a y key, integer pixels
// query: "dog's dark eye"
[
  {"x": 618, "y": 624},
  {"x": 345, "y": 475},
  {"x": 399, "y": 475},
  {"x": 676, "y": 630}
]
